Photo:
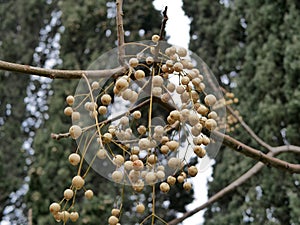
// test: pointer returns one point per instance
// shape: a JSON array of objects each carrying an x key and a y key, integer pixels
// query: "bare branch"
[
  {"x": 120, "y": 31},
  {"x": 249, "y": 130},
  {"x": 59, "y": 74},
  {"x": 256, "y": 154},
  {"x": 163, "y": 24},
  {"x": 238, "y": 182},
  {"x": 59, "y": 136}
]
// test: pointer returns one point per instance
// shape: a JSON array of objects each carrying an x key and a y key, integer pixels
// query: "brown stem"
[
  {"x": 163, "y": 24},
  {"x": 120, "y": 31},
  {"x": 236, "y": 183},
  {"x": 59, "y": 74}
]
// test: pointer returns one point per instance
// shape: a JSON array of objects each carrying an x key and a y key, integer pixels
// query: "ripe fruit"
[
  {"x": 171, "y": 180},
  {"x": 155, "y": 38},
  {"x": 74, "y": 216},
  {"x": 144, "y": 143},
  {"x": 210, "y": 124},
  {"x": 199, "y": 151},
  {"x": 117, "y": 176},
  {"x": 210, "y": 100},
  {"x": 187, "y": 186},
  {"x": 182, "y": 52},
  {"x": 139, "y": 74},
  {"x": 178, "y": 67},
  {"x": 160, "y": 175},
  {"x": 164, "y": 149},
  {"x": 133, "y": 62},
  {"x": 95, "y": 85},
  {"x": 173, "y": 145},
  {"x": 180, "y": 179},
  {"x": 68, "y": 111},
  {"x": 89, "y": 194},
  {"x": 75, "y": 116},
  {"x": 113, "y": 220},
  {"x": 54, "y": 208},
  {"x": 115, "y": 212},
  {"x": 68, "y": 194},
  {"x": 205, "y": 140},
  {"x": 70, "y": 100},
  {"x": 149, "y": 60},
  {"x": 157, "y": 81},
  {"x": 174, "y": 163},
  {"x": 106, "y": 99},
  {"x": 78, "y": 182},
  {"x": 74, "y": 159},
  {"x": 118, "y": 160},
  {"x": 65, "y": 216},
  {"x": 138, "y": 165},
  {"x": 121, "y": 84},
  {"x": 164, "y": 187},
  {"x": 193, "y": 118},
  {"x": 185, "y": 80},
  {"x": 140, "y": 208},
  {"x": 107, "y": 137},
  {"x": 192, "y": 171},
  {"x": 75, "y": 131},
  {"x": 150, "y": 178},
  {"x": 101, "y": 154}
]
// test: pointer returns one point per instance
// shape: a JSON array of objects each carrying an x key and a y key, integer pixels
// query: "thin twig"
[
  {"x": 60, "y": 74},
  {"x": 236, "y": 183},
  {"x": 163, "y": 24},
  {"x": 120, "y": 31}
]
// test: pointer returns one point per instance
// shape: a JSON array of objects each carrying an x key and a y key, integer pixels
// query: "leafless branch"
[
  {"x": 120, "y": 31},
  {"x": 163, "y": 24},
  {"x": 236, "y": 183},
  {"x": 59, "y": 74}
]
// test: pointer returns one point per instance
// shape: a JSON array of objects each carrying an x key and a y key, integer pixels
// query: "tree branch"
[
  {"x": 163, "y": 24},
  {"x": 59, "y": 74},
  {"x": 120, "y": 31},
  {"x": 236, "y": 183}
]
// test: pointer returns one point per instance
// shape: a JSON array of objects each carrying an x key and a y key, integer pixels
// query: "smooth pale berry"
[
  {"x": 121, "y": 84},
  {"x": 140, "y": 208},
  {"x": 102, "y": 110},
  {"x": 137, "y": 114},
  {"x": 117, "y": 176},
  {"x": 155, "y": 38},
  {"x": 182, "y": 52},
  {"x": 106, "y": 99},
  {"x": 175, "y": 115},
  {"x": 170, "y": 51},
  {"x": 89, "y": 194},
  {"x": 180, "y": 89},
  {"x": 107, "y": 137},
  {"x": 75, "y": 116},
  {"x": 113, "y": 220},
  {"x": 144, "y": 143},
  {"x": 128, "y": 165},
  {"x": 101, "y": 154},
  {"x": 178, "y": 67},
  {"x": 133, "y": 62},
  {"x": 70, "y": 100},
  {"x": 142, "y": 129},
  {"x": 171, "y": 87},
  {"x": 193, "y": 119},
  {"x": 205, "y": 140},
  {"x": 150, "y": 178},
  {"x": 159, "y": 130},
  {"x": 164, "y": 187},
  {"x": 54, "y": 208},
  {"x": 174, "y": 163},
  {"x": 115, "y": 212},
  {"x": 68, "y": 111},
  {"x": 139, "y": 74},
  {"x": 212, "y": 115},
  {"x": 164, "y": 149},
  {"x": 75, "y": 131},
  {"x": 157, "y": 81},
  {"x": 74, "y": 159},
  {"x": 118, "y": 160},
  {"x": 180, "y": 179},
  {"x": 95, "y": 85},
  {"x": 65, "y": 216},
  {"x": 187, "y": 186},
  {"x": 210, "y": 124},
  {"x": 210, "y": 100},
  {"x": 138, "y": 165},
  {"x": 199, "y": 151},
  {"x": 152, "y": 159},
  {"x": 185, "y": 80},
  {"x": 138, "y": 185},
  {"x": 68, "y": 194},
  {"x": 192, "y": 171},
  {"x": 160, "y": 174},
  {"x": 78, "y": 182},
  {"x": 157, "y": 91},
  {"x": 74, "y": 216},
  {"x": 149, "y": 60},
  {"x": 171, "y": 180},
  {"x": 173, "y": 145}
]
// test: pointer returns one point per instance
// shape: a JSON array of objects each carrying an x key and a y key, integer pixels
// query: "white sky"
[{"x": 178, "y": 29}]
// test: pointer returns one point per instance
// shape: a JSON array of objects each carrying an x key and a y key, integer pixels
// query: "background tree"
[{"x": 254, "y": 45}]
